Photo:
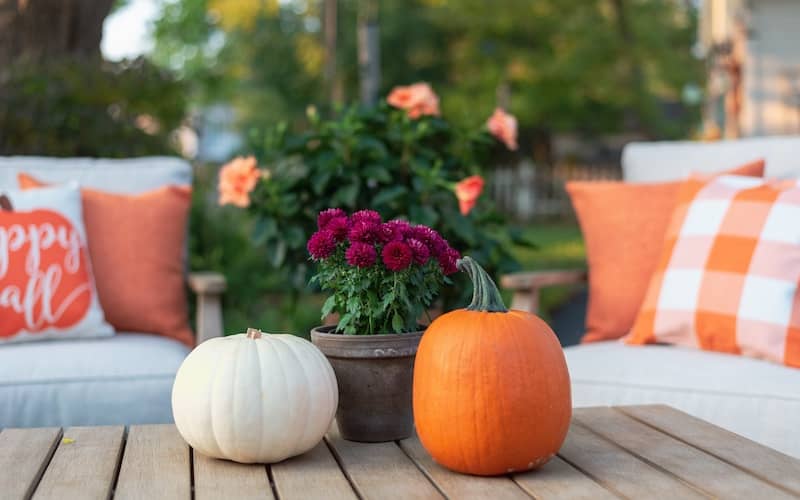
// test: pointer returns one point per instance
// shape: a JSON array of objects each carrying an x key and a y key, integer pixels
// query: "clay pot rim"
[{"x": 384, "y": 345}]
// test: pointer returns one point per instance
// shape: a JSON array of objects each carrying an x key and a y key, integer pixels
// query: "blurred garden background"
[{"x": 212, "y": 79}]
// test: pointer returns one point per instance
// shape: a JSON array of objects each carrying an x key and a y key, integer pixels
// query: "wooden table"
[{"x": 633, "y": 452}]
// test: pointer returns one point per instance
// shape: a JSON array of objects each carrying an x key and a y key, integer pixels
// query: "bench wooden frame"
[
  {"x": 209, "y": 287},
  {"x": 527, "y": 286}
]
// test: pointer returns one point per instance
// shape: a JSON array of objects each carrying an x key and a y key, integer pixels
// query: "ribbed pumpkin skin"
[
  {"x": 491, "y": 392},
  {"x": 254, "y": 400}
]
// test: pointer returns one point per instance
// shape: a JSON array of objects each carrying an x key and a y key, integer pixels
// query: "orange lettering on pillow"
[{"x": 44, "y": 280}]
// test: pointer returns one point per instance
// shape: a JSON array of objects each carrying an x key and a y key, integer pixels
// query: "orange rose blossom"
[
  {"x": 503, "y": 126},
  {"x": 468, "y": 191},
  {"x": 417, "y": 100},
  {"x": 237, "y": 179}
]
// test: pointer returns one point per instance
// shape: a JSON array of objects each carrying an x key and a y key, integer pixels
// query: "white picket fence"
[{"x": 527, "y": 191}]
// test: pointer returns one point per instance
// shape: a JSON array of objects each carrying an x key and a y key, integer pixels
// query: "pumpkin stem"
[
  {"x": 485, "y": 295},
  {"x": 5, "y": 204},
  {"x": 253, "y": 333}
]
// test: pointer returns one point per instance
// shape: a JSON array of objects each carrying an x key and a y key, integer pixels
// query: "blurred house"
[{"x": 753, "y": 49}]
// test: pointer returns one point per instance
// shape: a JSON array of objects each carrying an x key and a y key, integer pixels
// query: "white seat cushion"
[
  {"x": 126, "y": 176},
  {"x": 757, "y": 399},
  {"x": 674, "y": 160},
  {"x": 124, "y": 379}
]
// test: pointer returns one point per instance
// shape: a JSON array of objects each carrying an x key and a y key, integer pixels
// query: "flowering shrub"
[
  {"x": 400, "y": 158},
  {"x": 382, "y": 275}
]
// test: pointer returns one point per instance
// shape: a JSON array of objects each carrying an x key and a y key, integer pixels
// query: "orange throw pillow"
[
  {"x": 728, "y": 278},
  {"x": 137, "y": 244},
  {"x": 623, "y": 228}
]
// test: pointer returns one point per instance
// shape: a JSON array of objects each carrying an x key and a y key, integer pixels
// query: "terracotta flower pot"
[{"x": 375, "y": 374}]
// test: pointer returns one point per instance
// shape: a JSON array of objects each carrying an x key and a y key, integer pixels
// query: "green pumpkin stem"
[{"x": 485, "y": 295}]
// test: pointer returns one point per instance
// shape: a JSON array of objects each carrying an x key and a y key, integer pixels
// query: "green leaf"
[
  {"x": 278, "y": 253},
  {"x": 346, "y": 195},
  {"x": 397, "y": 323},
  {"x": 264, "y": 229},
  {"x": 294, "y": 237},
  {"x": 378, "y": 172},
  {"x": 328, "y": 306},
  {"x": 320, "y": 181},
  {"x": 464, "y": 229},
  {"x": 389, "y": 194},
  {"x": 423, "y": 215}
]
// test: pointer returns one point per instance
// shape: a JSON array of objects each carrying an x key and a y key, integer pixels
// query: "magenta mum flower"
[
  {"x": 321, "y": 244},
  {"x": 397, "y": 255},
  {"x": 339, "y": 226},
  {"x": 401, "y": 226},
  {"x": 361, "y": 254},
  {"x": 370, "y": 216},
  {"x": 435, "y": 243},
  {"x": 364, "y": 231},
  {"x": 447, "y": 261},
  {"x": 328, "y": 215},
  {"x": 420, "y": 251},
  {"x": 389, "y": 232}
]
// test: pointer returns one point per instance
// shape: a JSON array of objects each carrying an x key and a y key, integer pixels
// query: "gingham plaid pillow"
[{"x": 729, "y": 271}]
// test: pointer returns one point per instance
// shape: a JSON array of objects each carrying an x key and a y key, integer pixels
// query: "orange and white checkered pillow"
[{"x": 729, "y": 274}]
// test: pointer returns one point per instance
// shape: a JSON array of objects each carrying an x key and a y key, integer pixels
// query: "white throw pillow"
[{"x": 47, "y": 289}]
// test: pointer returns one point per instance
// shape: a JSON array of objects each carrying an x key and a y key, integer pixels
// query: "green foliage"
[
  {"x": 565, "y": 65},
  {"x": 376, "y": 158},
  {"x": 84, "y": 107},
  {"x": 219, "y": 240},
  {"x": 375, "y": 299}
]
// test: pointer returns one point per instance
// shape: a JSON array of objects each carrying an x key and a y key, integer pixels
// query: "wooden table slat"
[
  {"x": 314, "y": 474},
  {"x": 24, "y": 455},
  {"x": 214, "y": 479},
  {"x": 618, "y": 470},
  {"x": 84, "y": 465},
  {"x": 381, "y": 470},
  {"x": 686, "y": 462},
  {"x": 455, "y": 485},
  {"x": 155, "y": 464},
  {"x": 756, "y": 458},
  {"x": 630, "y": 452},
  {"x": 557, "y": 479}
]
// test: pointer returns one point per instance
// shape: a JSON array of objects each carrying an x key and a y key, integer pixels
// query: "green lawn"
[{"x": 560, "y": 246}]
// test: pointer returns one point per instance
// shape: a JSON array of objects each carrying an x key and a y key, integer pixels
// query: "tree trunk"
[
  {"x": 369, "y": 60},
  {"x": 332, "y": 83},
  {"x": 635, "y": 71},
  {"x": 45, "y": 29}
]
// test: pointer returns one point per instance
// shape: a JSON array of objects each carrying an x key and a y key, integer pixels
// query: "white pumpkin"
[{"x": 254, "y": 398}]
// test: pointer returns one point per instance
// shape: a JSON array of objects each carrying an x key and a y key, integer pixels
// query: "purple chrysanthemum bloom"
[
  {"x": 435, "y": 243},
  {"x": 420, "y": 250},
  {"x": 397, "y": 255},
  {"x": 361, "y": 254},
  {"x": 389, "y": 232},
  {"x": 339, "y": 226},
  {"x": 370, "y": 216},
  {"x": 447, "y": 261},
  {"x": 328, "y": 215},
  {"x": 401, "y": 226},
  {"x": 364, "y": 231},
  {"x": 321, "y": 244}
]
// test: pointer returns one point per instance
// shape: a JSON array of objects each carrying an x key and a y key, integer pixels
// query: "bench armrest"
[
  {"x": 208, "y": 287},
  {"x": 527, "y": 285}
]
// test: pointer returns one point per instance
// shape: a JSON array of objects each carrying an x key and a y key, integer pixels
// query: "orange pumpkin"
[
  {"x": 491, "y": 387},
  {"x": 44, "y": 280}
]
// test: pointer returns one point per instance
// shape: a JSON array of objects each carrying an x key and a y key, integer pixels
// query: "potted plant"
[
  {"x": 382, "y": 276},
  {"x": 400, "y": 157}
]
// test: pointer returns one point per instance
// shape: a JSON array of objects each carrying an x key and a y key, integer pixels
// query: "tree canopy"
[{"x": 586, "y": 66}]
